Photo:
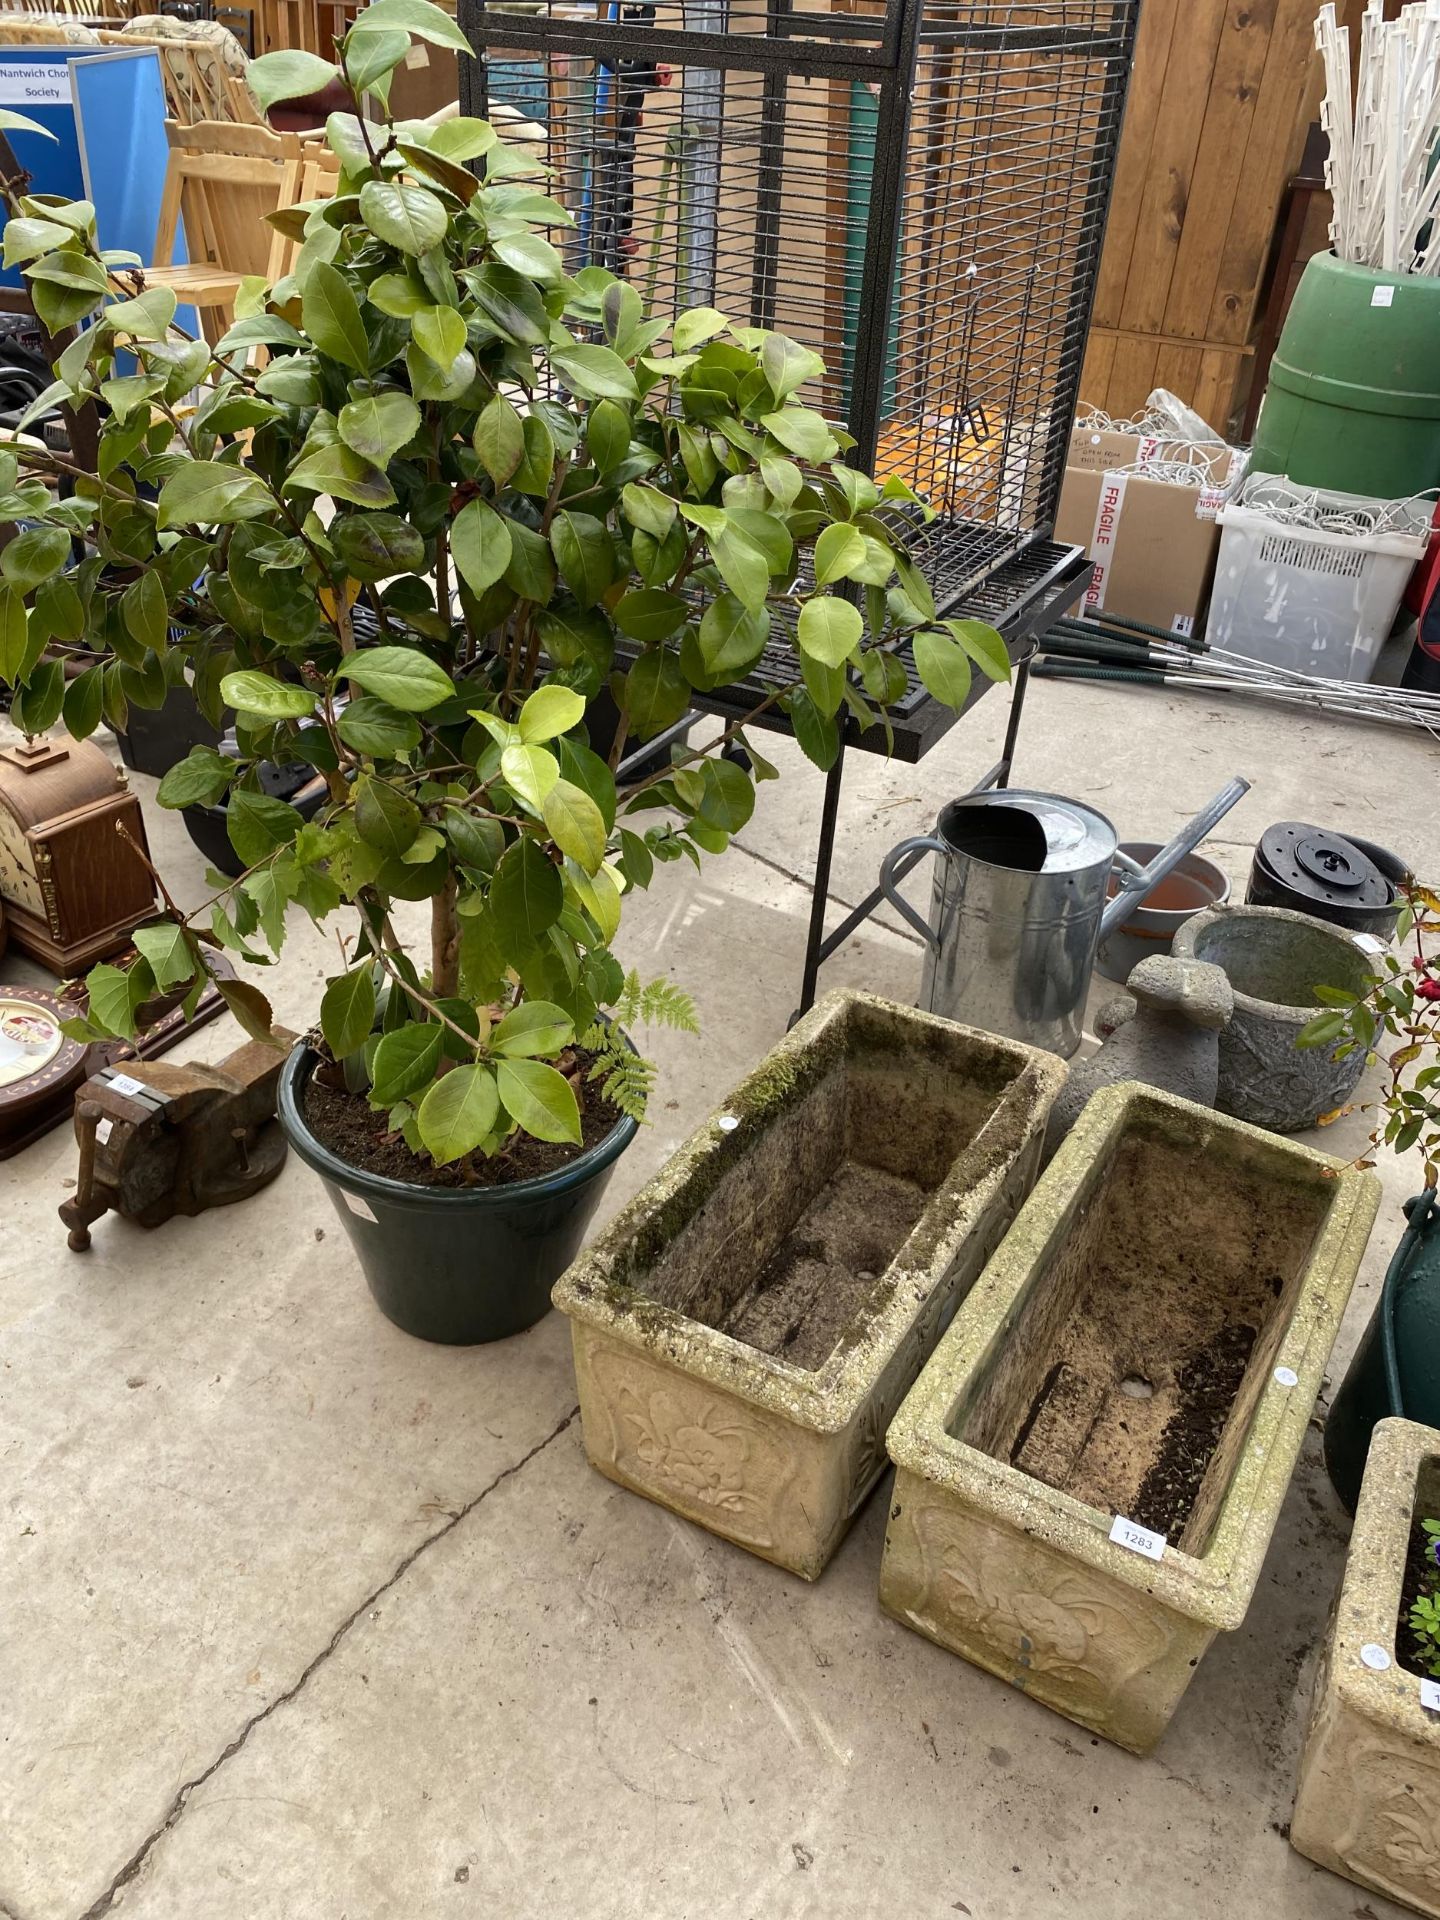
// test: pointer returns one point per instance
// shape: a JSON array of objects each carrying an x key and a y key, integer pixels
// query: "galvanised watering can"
[{"x": 1018, "y": 906}]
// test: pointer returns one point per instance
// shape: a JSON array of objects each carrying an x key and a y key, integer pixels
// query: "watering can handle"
[{"x": 892, "y": 872}]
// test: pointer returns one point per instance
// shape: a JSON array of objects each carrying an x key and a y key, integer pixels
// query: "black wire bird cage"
[{"x": 915, "y": 188}]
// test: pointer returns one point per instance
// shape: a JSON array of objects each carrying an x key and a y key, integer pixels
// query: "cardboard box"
[{"x": 1153, "y": 541}]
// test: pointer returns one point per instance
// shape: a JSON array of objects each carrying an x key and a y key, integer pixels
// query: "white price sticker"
[
  {"x": 126, "y": 1084},
  {"x": 1375, "y": 1657},
  {"x": 1286, "y": 1377},
  {"x": 1430, "y": 1695},
  {"x": 361, "y": 1208},
  {"x": 1382, "y": 296},
  {"x": 1135, "y": 1538},
  {"x": 103, "y": 1132}
]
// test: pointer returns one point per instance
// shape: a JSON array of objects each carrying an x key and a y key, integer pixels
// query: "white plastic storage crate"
[{"x": 1310, "y": 579}]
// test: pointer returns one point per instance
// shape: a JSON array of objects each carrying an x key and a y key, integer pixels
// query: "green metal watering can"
[{"x": 1396, "y": 1369}]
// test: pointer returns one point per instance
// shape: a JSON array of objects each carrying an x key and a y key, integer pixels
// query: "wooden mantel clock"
[{"x": 73, "y": 886}]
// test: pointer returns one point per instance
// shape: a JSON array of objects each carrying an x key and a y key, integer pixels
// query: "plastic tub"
[{"x": 1306, "y": 599}]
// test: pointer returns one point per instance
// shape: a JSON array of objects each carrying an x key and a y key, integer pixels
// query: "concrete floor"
[{"x": 302, "y": 1617}]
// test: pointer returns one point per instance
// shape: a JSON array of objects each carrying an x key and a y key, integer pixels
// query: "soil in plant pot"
[
  {"x": 1146, "y": 1339},
  {"x": 1421, "y": 1576},
  {"x": 824, "y": 1271},
  {"x": 350, "y": 1127}
]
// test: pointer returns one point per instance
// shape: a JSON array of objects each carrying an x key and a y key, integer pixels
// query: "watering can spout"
[{"x": 1136, "y": 881}]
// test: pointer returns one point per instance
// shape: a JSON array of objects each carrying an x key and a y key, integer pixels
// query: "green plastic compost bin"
[{"x": 1354, "y": 396}]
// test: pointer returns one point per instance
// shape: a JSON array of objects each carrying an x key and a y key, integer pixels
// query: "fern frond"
[
  {"x": 627, "y": 1080},
  {"x": 655, "y": 1003}
]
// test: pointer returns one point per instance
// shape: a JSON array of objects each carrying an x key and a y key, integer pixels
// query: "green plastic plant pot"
[
  {"x": 457, "y": 1265},
  {"x": 1396, "y": 1369},
  {"x": 1353, "y": 401}
]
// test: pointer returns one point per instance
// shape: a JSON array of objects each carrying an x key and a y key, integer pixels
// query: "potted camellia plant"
[{"x": 540, "y": 497}]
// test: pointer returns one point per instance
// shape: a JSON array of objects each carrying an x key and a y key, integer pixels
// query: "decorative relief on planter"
[
  {"x": 1043, "y": 1617},
  {"x": 1368, "y": 1804},
  {"x": 762, "y": 1224},
  {"x": 1170, "y": 1264}
]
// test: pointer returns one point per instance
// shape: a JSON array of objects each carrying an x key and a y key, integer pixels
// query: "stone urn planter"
[
  {"x": 1139, "y": 1359},
  {"x": 1368, "y": 1804},
  {"x": 745, "y": 1329},
  {"x": 1275, "y": 959}
]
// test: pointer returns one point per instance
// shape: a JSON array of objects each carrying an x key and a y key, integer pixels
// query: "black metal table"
[{"x": 1021, "y": 596}]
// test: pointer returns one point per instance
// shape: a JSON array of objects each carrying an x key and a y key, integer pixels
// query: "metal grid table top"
[{"x": 1018, "y": 596}]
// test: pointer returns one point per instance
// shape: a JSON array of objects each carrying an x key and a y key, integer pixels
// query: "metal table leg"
[{"x": 815, "y": 941}]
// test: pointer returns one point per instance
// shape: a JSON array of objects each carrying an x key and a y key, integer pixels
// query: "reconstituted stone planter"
[
  {"x": 1275, "y": 959},
  {"x": 1148, "y": 1340},
  {"x": 1368, "y": 1804},
  {"x": 745, "y": 1329}
]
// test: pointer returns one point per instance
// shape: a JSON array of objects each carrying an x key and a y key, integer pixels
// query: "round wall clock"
[{"x": 39, "y": 1067}]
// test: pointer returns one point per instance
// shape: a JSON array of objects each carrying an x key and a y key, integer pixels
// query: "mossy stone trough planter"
[
  {"x": 1368, "y": 1805},
  {"x": 745, "y": 1329},
  {"x": 1146, "y": 1346}
]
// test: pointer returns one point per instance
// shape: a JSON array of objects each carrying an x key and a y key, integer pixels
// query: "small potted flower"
[{"x": 1395, "y": 1022}]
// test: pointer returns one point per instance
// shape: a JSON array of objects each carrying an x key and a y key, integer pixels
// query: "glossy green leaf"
[
  {"x": 830, "y": 629},
  {"x": 944, "y": 667},
  {"x": 803, "y": 433},
  {"x": 650, "y": 614},
  {"x": 575, "y": 825},
  {"x": 287, "y": 75},
  {"x": 408, "y": 217},
  {"x": 585, "y": 554},
  {"x": 197, "y": 780},
  {"x": 258, "y": 823},
  {"x": 656, "y": 694},
  {"x": 34, "y": 555},
  {"x": 539, "y": 1100},
  {"x": 211, "y": 493},
  {"x": 838, "y": 549},
  {"x": 385, "y": 818},
  {"x": 420, "y": 17},
  {"x": 370, "y": 726},
  {"x": 331, "y": 315},
  {"x": 696, "y": 326},
  {"x": 499, "y": 439},
  {"x": 439, "y": 333},
  {"x": 458, "y": 1113},
  {"x": 533, "y": 1028},
  {"x": 342, "y": 474},
  {"x": 530, "y": 773},
  {"x": 984, "y": 646},
  {"x": 526, "y": 894},
  {"x": 400, "y": 676},
  {"x": 480, "y": 545},
  {"x": 405, "y": 1061},
  {"x": 168, "y": 952},
  {"x": 378, "y": 425},
  {"x": 549, "y": 712},
  {"x": 265, "y": 697},
  {"x": 595, "y": 372},
  {"x": 347, "y": 1010}
]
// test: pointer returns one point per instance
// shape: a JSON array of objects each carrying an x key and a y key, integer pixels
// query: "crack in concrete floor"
[{"x": 137, "y": 1860}]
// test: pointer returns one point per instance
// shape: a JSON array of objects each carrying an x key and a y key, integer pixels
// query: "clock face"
[
  {"x": 17, "y": 871},
  {"x": 30, "y": 1038}
]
